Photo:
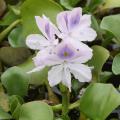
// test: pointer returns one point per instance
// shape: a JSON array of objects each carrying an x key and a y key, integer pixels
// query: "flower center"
[{"x": 66, "y": 54}]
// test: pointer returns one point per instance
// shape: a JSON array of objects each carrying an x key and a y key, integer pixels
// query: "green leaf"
[
  {"x": 32, "y": 8},
  {"x": 100, "y": 55},
  {"x": 8, "y": 18},
  {"x": 15, "y": 103},
  {"x": 36, "y": 111},
  {"x": 111, "y": 4},
  {"x": 10, "y": 57},
  {"x": 59, "y": 119},
  {"x": 36, "y": 78},
  {"x": 4, "y": 115},
  {"x": 15, "y": 8},
  {"x": 69, "y": 4},
  {"x": 111, "y": 24},
  {"x": 95, "y": 25},
  {"x": 15, "y": 38},
  {"x": 116, "y": 64},
  {"x": 15, "y": 81},
  {"x": 104, "y": 76},
  {"x": 99, "y": 100},
  {"x": 92, "y": 5},
  {"x": 14, "y": 100}
]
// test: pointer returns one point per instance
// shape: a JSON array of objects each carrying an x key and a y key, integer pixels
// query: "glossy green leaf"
[
  {"x": 10, "y": 57},
  {"x": 14, "y": 100},
  {"x": 15, "y": 103},
  {"x": 4, "y": 115},
  {"x": 104, "y": 76},
  {"x": 100, "y": 55},
  {"x": 8, "y": 18},
  {"x": 36, "y": 78},
  {"x": 15, "y": 38},
  {"x": 111, "y": 24},
  {"x": 99, "y": 100},
  {"x": 111, "y": 4},
  {"x": 32, "y": 8},
  {"x": 69, "y": 4},
  {"x": 59, "y": 119},
  {"x": 15, "y": 8},
  {"x": 95, "y": 25},
  {"x": 15, "y": 81},
  {"x": 36, "y": 111},
  {"x": 92, "y": 5},
  {"x": 116, "y": 64}
]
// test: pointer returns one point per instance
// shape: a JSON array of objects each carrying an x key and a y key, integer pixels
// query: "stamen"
[
  {"x": 60, "y": 40},
  {"x": 66, "y": 54},
  {"x": 56, "y": 37}
]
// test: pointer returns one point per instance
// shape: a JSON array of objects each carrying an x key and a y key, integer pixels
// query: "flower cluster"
[{"x": 62, "y": 47}]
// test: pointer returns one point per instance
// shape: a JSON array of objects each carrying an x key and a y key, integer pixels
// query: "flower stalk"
[
  {"x": 65, "y": 100},
  {"x": 71, "y": 106}
]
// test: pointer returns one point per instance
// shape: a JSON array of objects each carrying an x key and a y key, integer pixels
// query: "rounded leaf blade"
[{"x": 36, "y": 111}]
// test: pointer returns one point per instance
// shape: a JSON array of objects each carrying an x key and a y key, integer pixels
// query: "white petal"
[
  {"x": 36, "y": 69},
  {"x": 85, "y": 21},
  {"x": 74, "y": 18},
  {"x": 36, "y": 42},
  {"x": 41, "y": 24},
  {"x": 66, "y": 79},
  {"x": 47, "y": 28},
  {"x": 55, "y": 75},
  {"x": 77, "y": 44},
  {"x": 86, "y": 34},
  {"x": 83, "y": 55},
  {"x": 62, "y": 21},
  {"x": 81, "y": 72},
  {"x": 45, "y": 58}
]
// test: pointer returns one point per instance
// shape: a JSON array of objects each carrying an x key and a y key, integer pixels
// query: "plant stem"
[
  {"x": 8, "y": 29},
  {"x": 71, "y": 106},
  {"x": 65, "y": 100},
  {"x": 57, "y": 107},
  {"x": 74, "y": 105},
  {"x": 65, "y": 103}
]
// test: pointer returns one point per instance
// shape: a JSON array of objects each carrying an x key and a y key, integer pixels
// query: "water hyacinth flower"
[
  {"x": 75, "y": 25},
  {"x": 62, "y": 49}
]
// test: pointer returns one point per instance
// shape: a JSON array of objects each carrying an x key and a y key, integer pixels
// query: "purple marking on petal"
[
  {"x": 66, "y": 19},
  {"x": 66, "y": 52},
  {"x": 47, "y": 30},
  {"x": 75, "y": 21}
]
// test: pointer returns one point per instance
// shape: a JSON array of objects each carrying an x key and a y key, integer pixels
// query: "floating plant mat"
[{"x": 60, "y": 60}]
